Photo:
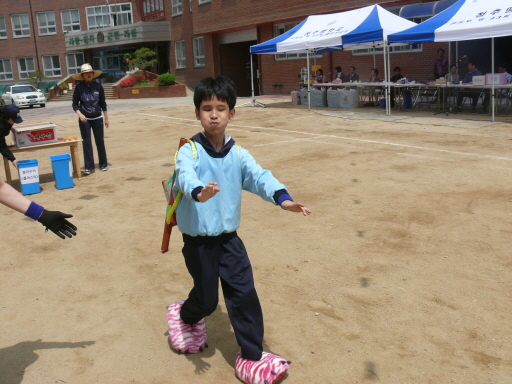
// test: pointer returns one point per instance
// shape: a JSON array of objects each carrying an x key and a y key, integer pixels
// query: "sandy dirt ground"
[{"x": 403, "y": 273}]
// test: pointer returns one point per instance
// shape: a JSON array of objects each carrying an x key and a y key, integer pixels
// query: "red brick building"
[{"x": 198, "y": 38}]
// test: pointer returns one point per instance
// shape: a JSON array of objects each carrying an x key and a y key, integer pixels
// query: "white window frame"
[
  {"x": 27, "y": 61},
  {"x": 109, "y": 15},
  {"x": 198, "y": 44},
  {"x": 279, "y": 29},
  {"x": 22, "y": 31},
  {"x": 52, "y": 71},
  {"x": 177, "y": 7},
  {"x": 6, "y": 73},
  {"x": 181, "y": 57},
  {"x": 3, "y": 28},
  {"x": 408, "y": 48},
  {"x": 44, "y": 23},
  {"x": 204, "y": 1},
  {"x": 74, "y": 67},
  {"x": 72, "y": 25}
]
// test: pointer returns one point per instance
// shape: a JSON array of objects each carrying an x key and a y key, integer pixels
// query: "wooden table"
[{"x": 73, "y": 147}]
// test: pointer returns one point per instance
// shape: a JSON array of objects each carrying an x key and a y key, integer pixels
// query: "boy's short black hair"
[{"x": 221, "y": 87}]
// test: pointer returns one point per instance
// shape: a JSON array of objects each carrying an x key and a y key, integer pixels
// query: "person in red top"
[{"x": 441, "y": 64}]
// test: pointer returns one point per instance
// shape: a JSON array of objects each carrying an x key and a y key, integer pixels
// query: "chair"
[{"x": 425, "y": 96}]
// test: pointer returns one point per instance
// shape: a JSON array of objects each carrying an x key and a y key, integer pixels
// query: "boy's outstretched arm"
[
  {"x": 208, "y": 192},
  {"x": 295, "y": 206}
]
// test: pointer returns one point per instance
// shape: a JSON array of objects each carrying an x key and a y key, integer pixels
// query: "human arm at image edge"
[{"x": 52, "y": 220}]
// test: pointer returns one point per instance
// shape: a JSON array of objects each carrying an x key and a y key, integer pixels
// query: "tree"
[
  {"x": 143, "y": 58},
  {"x": 36, "y": 78}
]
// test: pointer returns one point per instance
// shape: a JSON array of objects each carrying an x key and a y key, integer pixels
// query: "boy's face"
[{"x": 214, "y": 116}]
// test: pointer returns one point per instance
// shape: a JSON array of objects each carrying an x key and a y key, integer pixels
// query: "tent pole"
[
  {"x": 253, "y": 102},
  {"x": 309, "y": 85},
  {"x": 374, "y": 62},
  {"x": 385, "y": 77},
  {"x": 492, "y": 71}
]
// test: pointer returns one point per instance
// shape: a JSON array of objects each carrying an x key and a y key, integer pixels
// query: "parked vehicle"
[{"x": 23, "y": 95}]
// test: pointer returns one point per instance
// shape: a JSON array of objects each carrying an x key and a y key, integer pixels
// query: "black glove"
[{"x": 56, "y": 222}]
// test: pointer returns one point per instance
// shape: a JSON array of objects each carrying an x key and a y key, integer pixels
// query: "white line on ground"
[{"x": 354, "y": 139}]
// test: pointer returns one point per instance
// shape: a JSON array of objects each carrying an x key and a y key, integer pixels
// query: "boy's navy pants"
[
  {"x": 207, "y": 259},
  {"x": 97, "y": 128}
]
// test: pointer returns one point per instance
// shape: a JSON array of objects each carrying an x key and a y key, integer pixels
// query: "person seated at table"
[
  {"x": 352, "y": 76},
  {"x": 339, "y": 75},
  {"x": 374, "y": 92},
  {"x": 374, "y": 76},
  {"x": 501, "y": 69},
  {"x": 10, "y": 115},
  {"x": 441, "y": 64},
  {"x": 453, "y": 76},
  {"x": 320, "y": 78},
  {"x": 468, "y": 79},
  {"x": 397, "y": 75}
]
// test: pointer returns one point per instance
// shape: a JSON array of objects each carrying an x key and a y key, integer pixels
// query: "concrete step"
[{"x": 109, "y": 93}]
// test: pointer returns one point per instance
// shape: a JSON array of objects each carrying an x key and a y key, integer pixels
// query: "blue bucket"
[
  {"x": 62, "y": 172},
  {"x": 382, "y": 103},
  {"x": 28, "y": 172}
]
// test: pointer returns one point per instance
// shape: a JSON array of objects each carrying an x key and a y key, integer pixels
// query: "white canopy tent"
[
  {"x": 356, "y": 29},
  {"x": 464, "y": 20}
]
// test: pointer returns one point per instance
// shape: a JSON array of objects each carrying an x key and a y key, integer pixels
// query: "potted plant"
[{"x": 64, "y": 87}]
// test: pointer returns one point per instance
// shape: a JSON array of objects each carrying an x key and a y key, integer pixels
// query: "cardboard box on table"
[
  {"x": 34, "y": 134},
  {"x": 478, "y": 80},
  {"x": 498, "y": 78}
]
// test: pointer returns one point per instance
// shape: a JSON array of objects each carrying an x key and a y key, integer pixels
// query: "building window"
[
  {"x": 204, "y": 1},
  {"x": 177, "y": 7},
  {"x": 20, "y": 27},
  {"x": 279, "y": 29},
  {"x": 3, "y": 30},
  {"x": 70, "y": 20},
  {"x": 181, "y": 58},
  {"x": 25, "y": 67},
  {"x": 392, "y": 49},
  {"x": 198, "y": 51},
  {"x": 109, "y": 15},
  {"x": 5, "y": 69},
  {"x": 51, "y": 65},
  {"x": 74, "y": 61},
  {"x": 152, "y": 9},
  {"x": 46, "y": 22}
]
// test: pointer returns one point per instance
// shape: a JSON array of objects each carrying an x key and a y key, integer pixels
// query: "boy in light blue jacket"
[{"x": 211, "y": 172}]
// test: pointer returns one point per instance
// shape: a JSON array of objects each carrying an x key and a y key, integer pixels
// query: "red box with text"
[{"x": 34, "y": 134}]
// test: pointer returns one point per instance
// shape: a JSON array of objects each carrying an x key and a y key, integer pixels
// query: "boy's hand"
[
  {"x": 208, "y": 192},
  {"x": 295, "y": 206}
]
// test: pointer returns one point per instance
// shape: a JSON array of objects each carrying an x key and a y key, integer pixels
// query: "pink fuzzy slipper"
[
  {"x": 185, "y": 338},
  {"x": 268, "y": 370}
]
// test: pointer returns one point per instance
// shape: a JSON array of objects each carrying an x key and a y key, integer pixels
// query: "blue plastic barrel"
[
  {"x": 62, "y": 172},
  {"x": 28, "y": 172}
]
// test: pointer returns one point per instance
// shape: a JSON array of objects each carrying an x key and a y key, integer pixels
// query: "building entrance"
[
  {"x": 235, "y": 63},
  {"x": 112, "y": 63}
]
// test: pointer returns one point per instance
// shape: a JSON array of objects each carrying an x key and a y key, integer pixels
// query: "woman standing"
[{"x": 88, "y": 103}]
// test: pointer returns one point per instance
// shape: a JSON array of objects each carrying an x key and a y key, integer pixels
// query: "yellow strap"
[{"x": 172, "y": 208}]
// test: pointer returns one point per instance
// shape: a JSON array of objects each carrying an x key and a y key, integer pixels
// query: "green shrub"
[{"x": 166, "y": 79}]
